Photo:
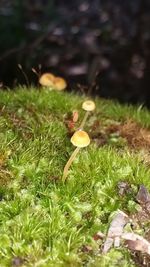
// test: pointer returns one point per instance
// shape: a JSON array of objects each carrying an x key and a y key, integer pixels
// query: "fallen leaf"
[
  {"x": 115, "y": 231},
  {"x": 98, "y": 236},
  {"x": 70, "y": 125},
  {"x": 75, "y": 116},
  {"x": 143, "y": 196},
  {"x": 123, "y": 188},
  {"x": 136, "y": 242}
]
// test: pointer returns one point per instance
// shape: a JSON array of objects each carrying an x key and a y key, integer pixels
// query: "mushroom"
[
  {"x": 47, "y": 79},
  {"x": 88, "y": 106},
  {"x": 79, "y": 139},
  {"x": 59, "y": 84}
]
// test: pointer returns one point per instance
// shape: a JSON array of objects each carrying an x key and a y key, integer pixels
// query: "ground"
[{"x": 45, "y": 222}]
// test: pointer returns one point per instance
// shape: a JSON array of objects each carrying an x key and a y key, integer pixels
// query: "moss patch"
[{"x": 44, "y": 222}]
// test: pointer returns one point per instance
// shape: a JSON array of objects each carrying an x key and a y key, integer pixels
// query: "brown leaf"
[
  {"x": 70, "y": 125},
  {"x": 143, "y": 196},
  {"x": 75, "y": 116},
  {"x": 123, "y": 188},
  {"x": 98, "y": 236},
  {"x": 136, "y": 242}
]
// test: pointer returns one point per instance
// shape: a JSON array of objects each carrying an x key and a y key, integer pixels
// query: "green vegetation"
[{"x": 43, "y": 221}]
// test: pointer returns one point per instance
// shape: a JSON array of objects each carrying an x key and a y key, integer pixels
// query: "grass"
[{"x": 44, "y": 222}]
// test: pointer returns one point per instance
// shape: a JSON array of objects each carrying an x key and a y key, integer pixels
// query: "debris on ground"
[
  {"x": 123, "y": 188},
  {"x": 143, "y": 197},
  {"x": 142, "y": 216},
  {"x": 136, "y": 242},
  {"x": 124, "y": 133},
  {"x": 136, "y": 136},
  {"x": 98, "y": 236},
  {"x": 115, "y": 231}
]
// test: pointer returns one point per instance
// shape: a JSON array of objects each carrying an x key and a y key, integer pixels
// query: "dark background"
[{"x": 77, "y": 39}]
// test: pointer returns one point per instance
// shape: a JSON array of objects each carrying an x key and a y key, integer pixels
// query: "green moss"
[{"x": 44, "y": 222}]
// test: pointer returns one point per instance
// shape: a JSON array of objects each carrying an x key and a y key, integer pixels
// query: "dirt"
[
  {"x": 5, "y": 175},
  {"x": 128, "y": 132},
  {"x": 136, "y": 136}
]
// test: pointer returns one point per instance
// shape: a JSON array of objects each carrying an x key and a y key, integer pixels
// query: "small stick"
[
  {"x": 24, "y": 74},
  {"x": 36, "y": 73}
]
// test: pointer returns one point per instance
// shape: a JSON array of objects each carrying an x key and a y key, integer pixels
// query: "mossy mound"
[{"x": 44, "y": 222}]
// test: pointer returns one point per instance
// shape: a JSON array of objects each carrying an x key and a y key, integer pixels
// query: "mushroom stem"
[
  {"x": 65, "y": 173},
  {"x": 84, "y": 120}
]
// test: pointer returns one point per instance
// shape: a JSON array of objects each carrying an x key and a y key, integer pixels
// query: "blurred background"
[{"x": 103, "y": 43}]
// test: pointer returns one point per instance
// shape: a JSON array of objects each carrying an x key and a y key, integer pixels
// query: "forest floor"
[{"x": 46, "y": 222}]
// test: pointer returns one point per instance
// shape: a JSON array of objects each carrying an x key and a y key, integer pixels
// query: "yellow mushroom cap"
[
  {"x": 80, "y": 139},
  {"x": 47, "y": 79},
  {"x": 60, "y": 84},
  {"x": 88, "y": 105}
]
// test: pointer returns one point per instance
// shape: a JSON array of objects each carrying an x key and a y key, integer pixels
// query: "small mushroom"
[
  {"x": 88, "y": 106},
  {"x": 79, "y": 139},
  {"x": 47, "y": 79},
  {"x": 59, "y": 84}
]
